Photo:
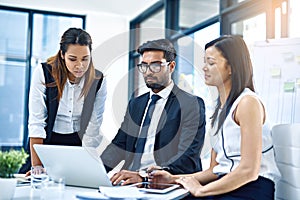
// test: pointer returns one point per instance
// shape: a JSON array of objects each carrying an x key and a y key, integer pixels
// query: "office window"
[
  {"x": 190, "y": 57},
  {"x": 294, "y": 17},
  {"x": 254, "y": 20},
  {"x": 20, "y": 53},
  {"x": 207, "y": 34},
  {"x": 13, "y": 43},
  {"x": 191, "y": 61},
  {"x": 47, "y": 31},
  {"x": 194, "y": 12},
  {"x": 153, "y": 27},
  {"x": 252, "y": 29},
  {"x": 281, "y": 20}
]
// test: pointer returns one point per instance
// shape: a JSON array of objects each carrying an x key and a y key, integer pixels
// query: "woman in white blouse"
[
  {"x": 67, "y": 97},
  {"x": 242, "y": 156}
]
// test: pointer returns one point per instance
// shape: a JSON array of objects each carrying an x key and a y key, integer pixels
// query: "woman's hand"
[
  {"x": 38, "y": 169},
  {"x": 191, "y": 184},
  {"x": 160, "y": 176}
]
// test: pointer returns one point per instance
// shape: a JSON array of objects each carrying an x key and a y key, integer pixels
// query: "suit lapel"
[
  {"x": 138, "y": 112},
  {"x": 167, "y": 109}
]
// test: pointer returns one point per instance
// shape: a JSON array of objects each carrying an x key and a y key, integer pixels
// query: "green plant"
[{"x": 11, "y": 161}]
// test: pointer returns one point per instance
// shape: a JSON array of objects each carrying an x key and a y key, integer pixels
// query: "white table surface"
[{"x": 26, "y": 193}]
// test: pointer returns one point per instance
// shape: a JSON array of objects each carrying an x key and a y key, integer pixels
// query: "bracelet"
[
  {"x": 166, "y": 169},
  {"x": 145, "y": 179}
]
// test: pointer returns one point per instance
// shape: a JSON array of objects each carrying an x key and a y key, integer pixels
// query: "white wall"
[
  {"x": 110, "y": 51},
  {"x": 110, "y": 55}
]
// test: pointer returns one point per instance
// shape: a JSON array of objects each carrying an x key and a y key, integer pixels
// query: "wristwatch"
[{"x": 143, "y": 174}]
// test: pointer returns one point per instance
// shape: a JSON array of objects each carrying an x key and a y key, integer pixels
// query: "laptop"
[{"x": 80, "y": 166}]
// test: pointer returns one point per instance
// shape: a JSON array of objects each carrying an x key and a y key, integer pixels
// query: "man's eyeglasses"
[{"x": 154, "y": 67}]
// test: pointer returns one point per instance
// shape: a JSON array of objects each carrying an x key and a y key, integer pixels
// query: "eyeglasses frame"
[{"x": 148, "y": 66}]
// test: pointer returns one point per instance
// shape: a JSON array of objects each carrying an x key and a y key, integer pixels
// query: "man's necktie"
[{"x": 140, "y": 143}]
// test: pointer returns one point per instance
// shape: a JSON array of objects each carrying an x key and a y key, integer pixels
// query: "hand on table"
[
  {"x": 190, "y": 183},
  {"x": 38, "y": 169},
  {"x": 160, "y": 176},
  {"x": 128, "y": 177}
]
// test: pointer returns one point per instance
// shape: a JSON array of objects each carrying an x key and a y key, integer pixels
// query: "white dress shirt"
[
  {"x": 148, "y": 156},
  {"x": 69, "y": 110}
]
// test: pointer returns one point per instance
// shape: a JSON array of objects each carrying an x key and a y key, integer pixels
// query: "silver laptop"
[{"x": 80, "y": 166}]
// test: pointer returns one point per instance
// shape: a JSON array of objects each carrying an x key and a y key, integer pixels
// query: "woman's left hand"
[{"x": 191, "y": 184}]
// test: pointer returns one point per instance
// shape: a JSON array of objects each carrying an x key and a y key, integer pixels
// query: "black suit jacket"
[{"x": 179, "y": 137}]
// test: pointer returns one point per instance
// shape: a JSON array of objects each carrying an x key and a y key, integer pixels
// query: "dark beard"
[{"x": 155, "y": 86}]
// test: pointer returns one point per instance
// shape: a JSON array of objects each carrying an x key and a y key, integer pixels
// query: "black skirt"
[
  {"x": 65, "y": 139},
  {"x": 262, "y": 189}
]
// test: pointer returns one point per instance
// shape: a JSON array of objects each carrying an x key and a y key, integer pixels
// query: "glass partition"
[
  {"x": 150, "y": 29},
  {"x": 13, "y": 43},
  {"x": 194, "y": 12},
  {"x": 191, "y": 61},
  {"x": 252, "y": 29},
  {"x": 47, "y": 31}
]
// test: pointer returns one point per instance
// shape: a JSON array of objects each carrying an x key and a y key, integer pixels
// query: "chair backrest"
[{"x": 286, "y": 138}]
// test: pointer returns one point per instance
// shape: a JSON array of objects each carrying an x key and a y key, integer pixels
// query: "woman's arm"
[
  {"x": 249, "y": 115},
  {"x": 35, "y": 161},
  {"x": 37, "y": 113},
  {"x": 203, "y": 177},
  {"x": 37, "y": 105},
  {"x": 207, "y": 176}
]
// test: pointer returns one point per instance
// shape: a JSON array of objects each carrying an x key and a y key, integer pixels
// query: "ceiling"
[
  {"x": 124, "y": 8},
  {"x": 190, "y": 9},
  {"x": 127, "y": 8}
]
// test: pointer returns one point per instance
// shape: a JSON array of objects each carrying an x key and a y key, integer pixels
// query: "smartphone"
[{"x": 160, "y": 188}]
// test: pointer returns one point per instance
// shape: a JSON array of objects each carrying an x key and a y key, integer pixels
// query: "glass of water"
[
  {"x": 36, "y": 179},
  {"x": 53, "y": 188}
]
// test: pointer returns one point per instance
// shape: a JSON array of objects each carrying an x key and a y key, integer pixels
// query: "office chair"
[{"x": 286, "y": 138}]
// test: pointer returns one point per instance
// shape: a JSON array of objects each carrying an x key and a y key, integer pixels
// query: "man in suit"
[{"x": 163, "y": 133}]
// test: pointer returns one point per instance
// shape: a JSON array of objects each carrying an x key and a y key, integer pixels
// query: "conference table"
[{"x": 77, "y": 193}]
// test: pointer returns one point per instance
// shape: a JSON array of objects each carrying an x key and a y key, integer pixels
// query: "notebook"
[{"x": 80, "y": 166}]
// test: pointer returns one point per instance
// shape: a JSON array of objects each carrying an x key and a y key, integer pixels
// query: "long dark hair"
[
  {"x": 59, "y": 69},
  {"x": 235, "y": 51}
]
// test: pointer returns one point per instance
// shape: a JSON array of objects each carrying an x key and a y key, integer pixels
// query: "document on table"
[
  {"x": 90, "y": 196},
  {"x": 22, "y": 180},
  {"x": 121, "y": 192}
]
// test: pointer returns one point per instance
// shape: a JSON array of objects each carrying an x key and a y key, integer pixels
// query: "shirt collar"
[
  {"x": 80, "y": 84},
  {"x": 165, "y": 92}
]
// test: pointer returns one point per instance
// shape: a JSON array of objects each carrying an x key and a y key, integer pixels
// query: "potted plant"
[{"x": 10, "y": 163}]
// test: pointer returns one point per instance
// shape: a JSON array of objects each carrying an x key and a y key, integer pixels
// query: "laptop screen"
[{"x": 80, "y": 166}]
